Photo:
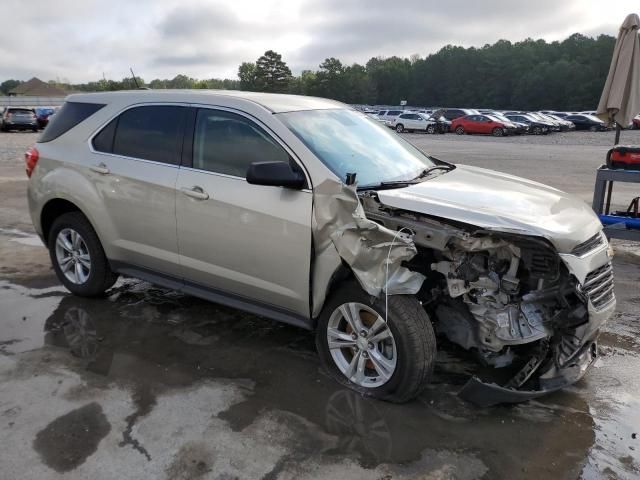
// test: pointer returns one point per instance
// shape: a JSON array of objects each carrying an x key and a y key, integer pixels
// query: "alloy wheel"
[
  {"x": 362, "y": 345},
  {"x": 73, "y": 256}
]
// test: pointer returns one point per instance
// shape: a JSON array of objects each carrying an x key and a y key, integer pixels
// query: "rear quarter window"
[{"x": 69, "y": 115}]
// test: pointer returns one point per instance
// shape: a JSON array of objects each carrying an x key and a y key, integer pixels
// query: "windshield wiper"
[
  {"x": 405, "y": 183},
  {"x": 445, "y": 166},
  {"x": 387, "y": 185}
]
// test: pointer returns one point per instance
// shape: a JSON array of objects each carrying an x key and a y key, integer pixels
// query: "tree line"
[{"x": 528, "y": 75}]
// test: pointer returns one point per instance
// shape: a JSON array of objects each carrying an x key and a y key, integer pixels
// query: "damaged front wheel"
[{"x": 389, "y": 359}]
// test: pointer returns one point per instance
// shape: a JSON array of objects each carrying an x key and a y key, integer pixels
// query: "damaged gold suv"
[{"x": 306, "y": 211}]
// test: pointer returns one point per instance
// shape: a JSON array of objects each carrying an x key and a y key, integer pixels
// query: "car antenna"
[{"x": 134, "y": 78}]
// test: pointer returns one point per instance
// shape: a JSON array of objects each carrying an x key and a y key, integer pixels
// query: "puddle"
[
  {"x": 23, "y": 238},
  {"x": 66, "y": 442},
  {"x": 155, "y": 341}
]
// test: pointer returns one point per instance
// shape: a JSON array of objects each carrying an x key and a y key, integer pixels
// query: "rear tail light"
[{"x": 31, "y": 157}]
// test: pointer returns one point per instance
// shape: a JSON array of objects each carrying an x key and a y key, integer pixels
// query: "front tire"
[
  {"x": 460, "y": 130},
  {"x": 78, "y": 257},
  {"x": 431, "y": 129},
  {"x": 390, "y": 360},
  {"x": 537, "y": 130},
  {"x": 498, "y": 132},
  {"x": 593, "y": 128}
]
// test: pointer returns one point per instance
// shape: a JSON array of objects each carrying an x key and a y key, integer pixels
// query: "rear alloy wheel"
[
  {"x": 460, "y": 130},
  {"x": 78, "y": 257},
  {"x": 399, "y": 128},
  {"x": 390, "y": 360},
  {"x": 431, "y": 129},
  {"x": 498, "y": 132},
  {"x": 537, "y": 130},
  {"x": 73, "y": 256}
]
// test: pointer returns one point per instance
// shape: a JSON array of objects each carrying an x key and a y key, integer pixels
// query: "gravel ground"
[{"x": 150, "y": 383}]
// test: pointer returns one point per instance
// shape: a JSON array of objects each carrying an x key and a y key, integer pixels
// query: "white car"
[
  {"x": 385, "y": 116},
  {"x": 413, "y": 122}
]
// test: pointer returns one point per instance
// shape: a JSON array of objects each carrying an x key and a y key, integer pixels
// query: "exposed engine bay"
[{"x": 508, "y": 298}]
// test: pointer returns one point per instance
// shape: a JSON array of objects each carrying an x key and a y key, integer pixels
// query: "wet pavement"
[{"x": 150, "y": 383}]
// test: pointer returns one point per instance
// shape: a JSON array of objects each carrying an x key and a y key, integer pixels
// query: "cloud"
[{"x": 78, "y": 41}]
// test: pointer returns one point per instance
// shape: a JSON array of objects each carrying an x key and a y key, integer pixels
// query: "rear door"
[
  {"x": 484, "y": 124},
  {"x": 252, "y": 241},
  {"x": 134, "y": 166}
]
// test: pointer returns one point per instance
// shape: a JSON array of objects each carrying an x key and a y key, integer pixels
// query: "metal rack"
[{"x": 605, "y": 177}]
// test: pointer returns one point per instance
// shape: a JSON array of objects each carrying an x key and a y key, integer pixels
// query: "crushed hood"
[{"x": 501, "y": 202}]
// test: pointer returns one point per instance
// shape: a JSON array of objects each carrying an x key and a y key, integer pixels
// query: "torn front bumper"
[{"x": 486, "y": 394}]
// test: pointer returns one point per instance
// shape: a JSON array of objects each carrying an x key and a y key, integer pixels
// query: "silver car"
[{"x": 306, "y": 211}]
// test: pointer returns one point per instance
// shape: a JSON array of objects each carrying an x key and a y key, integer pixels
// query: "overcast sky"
[{"x": 77, "y": 41}]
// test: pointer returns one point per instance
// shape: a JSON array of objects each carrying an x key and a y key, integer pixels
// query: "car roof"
[{"x": 275, "y": 102}]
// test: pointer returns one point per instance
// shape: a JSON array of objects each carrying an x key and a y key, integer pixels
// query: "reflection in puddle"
[{"x": 153, "y": 340}]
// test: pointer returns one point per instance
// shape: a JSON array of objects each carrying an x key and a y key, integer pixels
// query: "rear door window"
[
  {"x": 152, "y": 132},
  {"x": 228, "y": 143},
  {"x": 69, "y": 115}
]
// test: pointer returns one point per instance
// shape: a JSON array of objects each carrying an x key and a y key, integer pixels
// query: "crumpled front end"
[{"x": 530, "y": 314}]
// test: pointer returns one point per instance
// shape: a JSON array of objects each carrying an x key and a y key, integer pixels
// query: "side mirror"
[{"x": 275, "y": 174}]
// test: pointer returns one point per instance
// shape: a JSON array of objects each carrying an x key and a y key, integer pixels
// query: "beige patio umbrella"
[{"x": 620, "y": 100}]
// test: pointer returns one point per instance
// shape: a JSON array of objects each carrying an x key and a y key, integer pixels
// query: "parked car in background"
[
  {"x": 43, "y": 114},
  {"x": 536, "y": 126},
  {"x": 453, "y": 113},
  {"x": 484, "y": 124},
  {"x": 413, "y": 122},
  {"x": 635, "y": 123},
  {"x": 565, "y": 125},
  {"x": 553, "y": 125},
  {"x": 520, "y": 128},
  {"x": 18, "y": 118},
  {"x": 385, "y": 116},
  {"x": 587, "y": 122}
]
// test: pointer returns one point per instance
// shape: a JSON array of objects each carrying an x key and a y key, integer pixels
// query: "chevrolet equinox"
[{"x": 213, "y": 193}]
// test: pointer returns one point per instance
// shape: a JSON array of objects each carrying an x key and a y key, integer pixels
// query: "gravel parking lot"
[{"x": 150, "y": 383}]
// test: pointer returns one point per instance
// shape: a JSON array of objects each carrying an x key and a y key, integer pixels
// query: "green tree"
[
  {"x": 331, "y": 79},
  {"x": 8, "y": 85},
  {"x": 272, "y": 73},
  {"x": 247, "y": 76}
]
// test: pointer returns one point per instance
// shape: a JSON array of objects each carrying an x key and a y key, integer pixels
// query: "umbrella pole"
[{"x": 617, "y": 140}]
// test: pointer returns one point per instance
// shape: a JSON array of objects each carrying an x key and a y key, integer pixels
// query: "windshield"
[
  {"x": 347, "y": 141},
  {"x": 496, "y": 118}
]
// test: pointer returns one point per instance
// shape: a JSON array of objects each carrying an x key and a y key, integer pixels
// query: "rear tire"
[
  {"x": 91, "y": 276},
  {"x": 537, "y": 130},
  {"x": 411, "y": 338},
  {"x": 399, "y": 128},
  {"x": 460, "y": 130},
  {"x": 593, "y": 128},
  {"x": 431, "y": 129}
]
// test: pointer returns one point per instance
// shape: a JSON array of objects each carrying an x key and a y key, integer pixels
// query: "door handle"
[
  {"x": 195, "y": 192},
  {"x": 101, "y": 168}
]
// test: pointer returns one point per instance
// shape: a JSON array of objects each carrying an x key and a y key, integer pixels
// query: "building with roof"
[{"x": 37, "y": 88}]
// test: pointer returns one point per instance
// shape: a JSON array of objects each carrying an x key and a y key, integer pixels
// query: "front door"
[{"x": 249, "y": 240}]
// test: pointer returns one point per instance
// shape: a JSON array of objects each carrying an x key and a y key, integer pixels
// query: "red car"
[{"x": 481, "y": 124}]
